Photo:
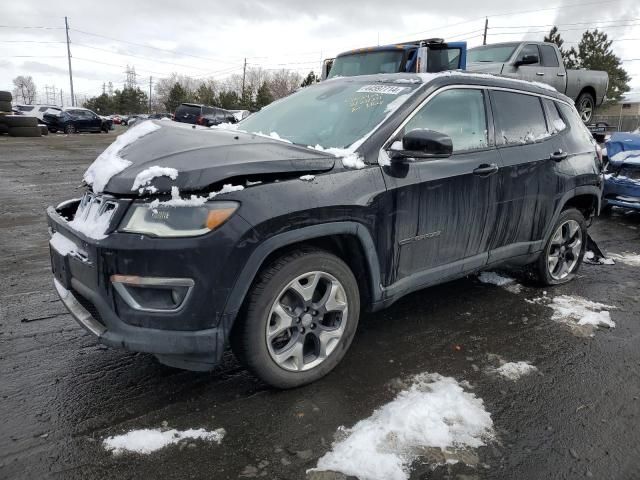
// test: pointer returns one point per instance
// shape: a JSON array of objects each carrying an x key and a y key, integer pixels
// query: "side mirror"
[
  {"x": 422, "y": 143},
  {"x": 527, "y": 60}
]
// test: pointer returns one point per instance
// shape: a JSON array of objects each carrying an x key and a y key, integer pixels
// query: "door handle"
[
  {"x": 561, "y": 74},
  {"x": 540, "y": 74},
  {"x": 485, "y": 170},
  {"x": 558, "y": 156}
]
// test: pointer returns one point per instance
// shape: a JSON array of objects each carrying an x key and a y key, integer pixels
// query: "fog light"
[{"x": 153, "y": 294}]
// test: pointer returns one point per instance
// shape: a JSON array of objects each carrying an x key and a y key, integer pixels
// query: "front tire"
[
  {"x": 586, "y": 104},
  {"x": 69, "y": 129},
  {"x": 564, "y": 251},
  {"x": 299, "y": 320}
]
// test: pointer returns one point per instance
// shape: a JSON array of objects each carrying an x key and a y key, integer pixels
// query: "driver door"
[{"x": 441, "y": 219}]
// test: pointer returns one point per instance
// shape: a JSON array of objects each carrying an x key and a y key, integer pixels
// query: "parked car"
[
  {"x": 133, "y": 119},
  {"x": 38, "y": 110},
  {"x": 203, "y": 115},
  {"x": 75, "y": 120},
  {"x": 430, "y": 178},
  {"x": 116, "y": 119},
  {"x": 160, "y": 116},
  {"x": 240, "y": 114},
  {"x": 542, "y": 61},
  {"x": 622, "y": 179}
]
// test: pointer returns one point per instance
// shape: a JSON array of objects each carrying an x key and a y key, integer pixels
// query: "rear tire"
[
  {"x": 288, "y": 338},
  {"x": 586, "y": 105},
  {"x": 44, "y": 130},
  {"x": 69, "y": 129},
  {"x": 20, "y": 121},
  {"x": 564, "y": 250}
]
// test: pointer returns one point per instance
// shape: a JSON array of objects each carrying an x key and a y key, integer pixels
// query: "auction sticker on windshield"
[{"x": 388, "y": 89}]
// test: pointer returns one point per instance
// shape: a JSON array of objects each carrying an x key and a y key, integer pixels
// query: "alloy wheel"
[
  {"x": 307, "y": 321},
  {"x": 564, "y": 250},
  {"x": 586, "y": 109}
]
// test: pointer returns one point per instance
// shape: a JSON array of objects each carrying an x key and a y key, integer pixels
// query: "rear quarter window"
[
  {"x": 556, "y": 123},
  {"x": 188, "y": 109},
  {"x": 577, "y": 128},
  {"x": 519, "y": 118}
]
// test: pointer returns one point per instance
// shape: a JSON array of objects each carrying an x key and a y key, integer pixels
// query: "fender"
[{"x": 257, "y": 258}]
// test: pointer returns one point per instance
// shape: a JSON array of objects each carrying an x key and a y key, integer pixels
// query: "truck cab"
[{"x": 431, "y": 55}]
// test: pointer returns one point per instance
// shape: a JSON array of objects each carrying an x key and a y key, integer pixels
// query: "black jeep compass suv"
[{"x": 344, "y": 196}]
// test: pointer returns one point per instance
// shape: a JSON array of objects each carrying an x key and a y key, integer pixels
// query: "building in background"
[{"x": 624, "y": 115}]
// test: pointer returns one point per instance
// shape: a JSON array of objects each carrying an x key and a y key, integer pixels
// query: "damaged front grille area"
[{"x": 93, "y": 216}]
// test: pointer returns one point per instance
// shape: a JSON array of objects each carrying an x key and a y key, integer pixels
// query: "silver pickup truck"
[{"x": 542, "y": 62}]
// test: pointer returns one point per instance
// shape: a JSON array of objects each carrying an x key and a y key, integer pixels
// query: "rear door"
[
  {"x": 532, "y": 72},
  {"x": 442, "y": 204},
  {"x": 553, "y": 73},
  {"x": 527, "y": 179}
]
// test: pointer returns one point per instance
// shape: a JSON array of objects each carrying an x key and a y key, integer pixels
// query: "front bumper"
[{"x": 191, "y": 337}]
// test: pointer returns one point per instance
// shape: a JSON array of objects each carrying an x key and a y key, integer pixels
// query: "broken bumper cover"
[{"x": 192, "y": 336}]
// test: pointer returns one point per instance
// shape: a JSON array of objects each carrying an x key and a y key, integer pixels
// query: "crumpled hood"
[
  {"x": 205, "y": 156},
  {"x": 485, "y": 67}
]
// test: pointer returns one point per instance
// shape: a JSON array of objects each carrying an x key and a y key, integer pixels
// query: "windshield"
[
  {"x": 330, "y": 114},
  {"x": 367, "y": 63},
  {"x": 491, "y": 53}
]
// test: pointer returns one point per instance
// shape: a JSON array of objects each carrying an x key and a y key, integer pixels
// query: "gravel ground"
[{"x": 61, "y": 394}]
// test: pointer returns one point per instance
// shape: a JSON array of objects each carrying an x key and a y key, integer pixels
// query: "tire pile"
[{"x": 18, "y": 125}]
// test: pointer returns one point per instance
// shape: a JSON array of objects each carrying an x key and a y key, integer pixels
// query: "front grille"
[
  {"x": 88, "y": 306},
  {"x": 96, "y": 211}
]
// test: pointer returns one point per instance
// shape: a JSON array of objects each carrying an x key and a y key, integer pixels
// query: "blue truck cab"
[{"x": 430, "y": 55}]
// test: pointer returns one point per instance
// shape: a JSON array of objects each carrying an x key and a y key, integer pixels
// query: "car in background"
[
  {"x": 622, "y": 178},
  {"x": 116, "y": 119},
  {"x": 75, "y": 119},
  {"x": 38, "y": 111},
  {"x": 203, "y": 115},
  {"x": 240, "y": 114},
  {"x": 160, "y": 116}
]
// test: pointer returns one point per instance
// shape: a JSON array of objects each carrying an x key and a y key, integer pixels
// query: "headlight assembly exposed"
[{"x": 169, "y": 221}]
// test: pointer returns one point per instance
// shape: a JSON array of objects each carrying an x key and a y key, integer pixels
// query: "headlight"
[{"x": 167, "y": 221}]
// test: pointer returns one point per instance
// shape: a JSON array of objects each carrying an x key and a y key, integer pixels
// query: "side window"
[
  {"x": 43, "y": 109},
  {"x": 459, "y": 113},
  {"x": 549, "y": 57},
  {"x": 556, "y": 124},
  {"x": 529, "y": 49},
  {"x": 518, "y": 118},
  {"x": 571, "y": 116}
]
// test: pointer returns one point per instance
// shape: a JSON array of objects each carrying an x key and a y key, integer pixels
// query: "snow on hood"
[{"x": 110, "y": 162}]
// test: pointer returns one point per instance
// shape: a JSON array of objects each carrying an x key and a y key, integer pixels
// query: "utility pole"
[
  {"x": 66, "y": 25},
  {"x": 61, "y": 101},
  {"x": 150, "y": 83},
  {"x": 244, "y": 74},
  {"x": 486, "y": 27}
]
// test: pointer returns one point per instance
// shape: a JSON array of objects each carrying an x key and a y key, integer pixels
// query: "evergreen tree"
[
  {"x": 594, "y": 53},
  {"x": 206, "y": 95},
  {"x": 228, "y": 99},
  {"x": 263, "y": 97},
  {"x": 569, "y": 57},
  {"x": 311, "y": 79},
  {"x": 177, "y": 95},
  {"x": 101, "y": 104}
]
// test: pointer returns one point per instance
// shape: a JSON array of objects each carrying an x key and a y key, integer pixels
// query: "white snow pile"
[
  {"x": 350, "y": 159},
  {"x": 626, "y": 156},
  {"x": 590, "y": 257},
  {"x": 63, "y": 245},
  {"x": 90, "y": 222},
  {"x": 149, "y": 440},
  {"x": 109, "y": 162},
  {"x": 308, "y": 178},
  {"x": 558, "y": 125},
  {"x": 273, "y": 135},
  {"x": 193, "y": 200},
  {"x": 144, "y": 177},
  {"x": 576, "y": 310},
  {"x": 494, "y": 278},
  {"x": 631, "y": 259},
  {"x": 434, "y": 412},
  {"x": 515, "y": 370},
  {"x": 225, "y": 126}
]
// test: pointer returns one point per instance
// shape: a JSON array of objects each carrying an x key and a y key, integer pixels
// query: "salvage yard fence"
[{"x": 625, "y": 123}]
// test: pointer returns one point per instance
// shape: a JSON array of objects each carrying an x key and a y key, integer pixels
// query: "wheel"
[
  {"x": 299, "y": 319},
  {"x": 68, "y": 129},
  {"x": 20, "y": 121},
  {"x": 5, "y": 97},
  {"x": 585, "y": 105},
  {"x": 53, "y": 129},
  {"x": 43, "y": 130},
  {"x": 24, "y": 131},
  {"x": 563, "y": 253}
]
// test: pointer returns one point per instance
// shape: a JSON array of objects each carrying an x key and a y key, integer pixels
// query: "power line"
[
  {"x": 31, "y": 27},
  {"x": 27, "y": 41}
]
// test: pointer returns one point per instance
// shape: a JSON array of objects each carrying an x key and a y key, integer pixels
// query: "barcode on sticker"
[{"x": 386, "y": 89}]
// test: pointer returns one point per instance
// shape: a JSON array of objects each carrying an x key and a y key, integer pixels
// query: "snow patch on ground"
[
  {"x": 503, "y": 281},
  {"x": 590, "y": 257},
  {"x": 631, "y": 259},
  {"x": 434, "y": 412},
  {"x": 109, "y": 162},
  {"x": 580, "y": 311},
  {"x": 149, "y": 440},
  {"x": 307, "y": 178},
  {"x": 144, "y": 177},
  {"x": 515, "y": 370}
]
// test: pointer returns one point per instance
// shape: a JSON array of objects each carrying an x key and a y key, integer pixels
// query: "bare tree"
[
  {"x": 283, "y": 83},
  {"x": 25, "y": 89}
]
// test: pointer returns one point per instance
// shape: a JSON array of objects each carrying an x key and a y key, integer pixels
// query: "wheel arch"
[
  {"x": 590, "y": 90},
  {"x": 350, "y": 241},
  {"x": 586, "y": 198}
]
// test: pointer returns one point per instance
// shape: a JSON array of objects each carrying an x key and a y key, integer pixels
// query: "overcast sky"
[{"x": 212, "y": 38}]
